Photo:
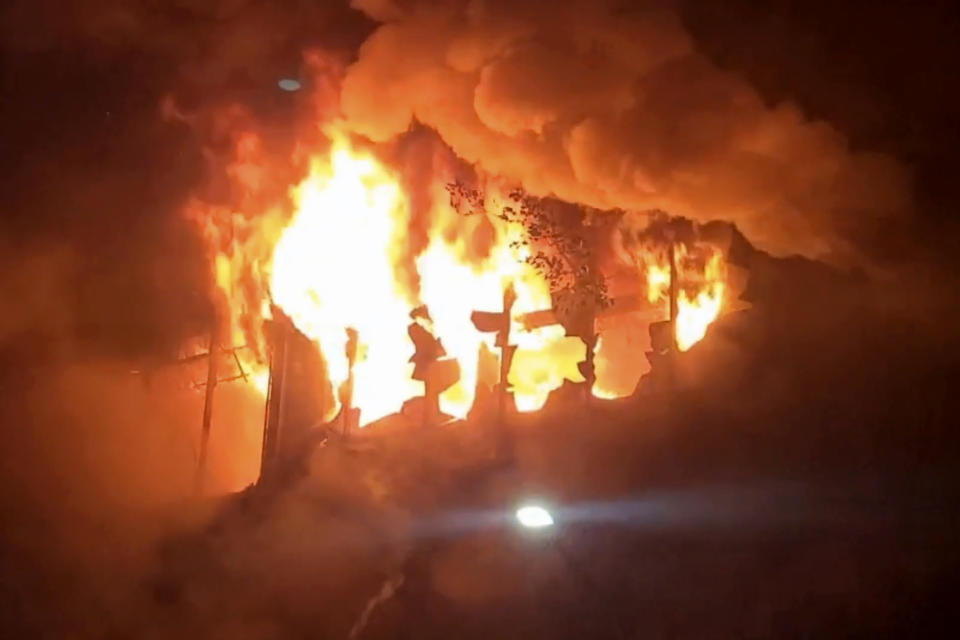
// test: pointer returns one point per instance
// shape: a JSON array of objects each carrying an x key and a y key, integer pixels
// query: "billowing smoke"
[{"x": 615, "y": 108}]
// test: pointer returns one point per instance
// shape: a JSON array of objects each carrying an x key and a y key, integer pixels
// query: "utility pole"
[
  {"x": 213, "y": 352},
  {"x": 207, "y": 412}
]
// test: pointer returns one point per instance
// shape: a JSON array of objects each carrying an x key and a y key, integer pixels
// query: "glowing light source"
[
  {"x": 534, "y": 517},
  {"x": 289, "y": 84}
]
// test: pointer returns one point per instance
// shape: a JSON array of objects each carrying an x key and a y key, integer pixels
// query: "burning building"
[
  {"x": 404, "y": 199},
  {"x": 423, "y": 225},
  {"x": 425, "y": 304}
]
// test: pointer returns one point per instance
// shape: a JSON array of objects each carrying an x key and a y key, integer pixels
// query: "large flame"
[
  {"x": 700, "y": 292},
  {"x": 333, "y": 267},
  {"x": 701, "y": 284},
  {"x": 333, "y": 270},
  {"x": 695, "y": 311}
]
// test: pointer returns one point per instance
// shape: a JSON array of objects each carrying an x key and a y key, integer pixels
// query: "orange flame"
[
  {"x": 333, "y": 269},
  {"x": 700, "y": 291},
  {"x": 333, "y": 265}
]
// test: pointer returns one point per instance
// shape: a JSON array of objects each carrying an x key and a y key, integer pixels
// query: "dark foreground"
[{"x": 800, "y": 484}]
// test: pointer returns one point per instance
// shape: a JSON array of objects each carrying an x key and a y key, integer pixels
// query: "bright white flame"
[
  {"x": 289, "y": 84},
  {"x": 534, "y": 517}
]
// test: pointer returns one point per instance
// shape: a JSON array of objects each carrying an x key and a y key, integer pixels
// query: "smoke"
[
  {"x": 615, "y": 108},
  {"x": 100, "y": 272},
  {"x": 99, "y": 268}
]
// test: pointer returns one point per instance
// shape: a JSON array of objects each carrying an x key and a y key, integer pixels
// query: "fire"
[
  {"x": 453, "y": 286},
  {"x": 333, "y": 266},
  {"x": 333, "y": 269},
  {"x": 449, "y": 288},
  {"x": 452, "y": 290},
  {"x": 335, "y": 258},
  {"x": 702, "y": 292},
  {"x": 545, "y": 356},
  {"x": 696, "y": 311},
  {"x": 701, "y": 287}
]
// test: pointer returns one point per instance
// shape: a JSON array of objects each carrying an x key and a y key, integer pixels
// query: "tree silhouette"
[{"x": 561, "y": 245}]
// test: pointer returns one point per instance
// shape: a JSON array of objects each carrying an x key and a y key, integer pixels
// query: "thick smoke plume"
[{"x": 615, "y": 108}]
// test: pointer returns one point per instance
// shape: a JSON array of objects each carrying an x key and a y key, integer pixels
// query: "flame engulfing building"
[
  {"x": 303, "y": 403},
  {"x": 339, "y": 222},
  {"x": 374, "y": 294}
]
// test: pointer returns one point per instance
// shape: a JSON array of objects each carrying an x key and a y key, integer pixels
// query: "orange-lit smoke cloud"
[{"x": 615, "y": 108}]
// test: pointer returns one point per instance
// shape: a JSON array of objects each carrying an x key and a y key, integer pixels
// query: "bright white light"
[
  {"x": 289, "y": 84},
  {"x": 534, "y": 517}
]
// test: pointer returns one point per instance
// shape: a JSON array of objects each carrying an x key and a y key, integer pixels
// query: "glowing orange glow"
[
  {"x": 696, "y": 311},
  {"x": 453, "y": 286},
  {"x": 333, "y": 269},
  {"x": 700, "y": 290},
  {"x": 619, "y": 360},
  {"x": 699, "y": 295},
  {"x": 452, "y": 290},
  {"x": 336, "y": 256}
]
